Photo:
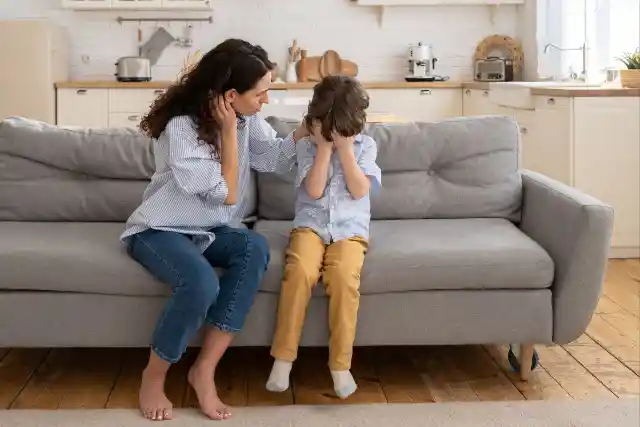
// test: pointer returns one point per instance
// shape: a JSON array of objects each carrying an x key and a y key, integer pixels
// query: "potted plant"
[{"x": 631, "y": 76}]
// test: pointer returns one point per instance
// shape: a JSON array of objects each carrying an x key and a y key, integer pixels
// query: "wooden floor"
[{"x": 603, "y": 362}]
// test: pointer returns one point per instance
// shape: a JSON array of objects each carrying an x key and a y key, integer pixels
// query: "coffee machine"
[{"x": 421, "y": 63}]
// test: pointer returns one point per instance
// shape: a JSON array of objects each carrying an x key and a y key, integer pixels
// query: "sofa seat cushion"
[
  {"x": 442, "y": 254},
  {"x": 71, "y": 257}
]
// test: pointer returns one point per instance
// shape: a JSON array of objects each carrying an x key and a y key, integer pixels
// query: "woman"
[{"x": 207, "y": 137}]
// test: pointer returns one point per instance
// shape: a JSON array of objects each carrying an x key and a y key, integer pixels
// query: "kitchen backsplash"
[{"x": 353, "y": 31}]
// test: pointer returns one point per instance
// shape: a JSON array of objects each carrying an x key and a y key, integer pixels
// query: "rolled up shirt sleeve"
[
  {"x": 267, "y": 152},
  {"x": 367, "y": 162},
  {"x": 305, "y": 153},
  {"x": 192, "y": 163}
]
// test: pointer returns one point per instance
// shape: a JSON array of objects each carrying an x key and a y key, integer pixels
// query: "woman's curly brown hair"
[
  {"x": 339, "y": 105},
  {"x": 233, "y": 64}
]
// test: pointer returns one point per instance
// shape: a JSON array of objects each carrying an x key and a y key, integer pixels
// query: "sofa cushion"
[
  {"x": 53, "y": 173},
  {"x": 443, "y": 254},
  {"x": 113, "y": 153},
  {"x": 72, "y": 257},
  {"x": 464, "y": 167}
]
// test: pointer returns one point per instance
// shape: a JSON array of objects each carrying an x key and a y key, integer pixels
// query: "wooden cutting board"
[
  {"x": 311, "y": 67},
  {"x": 330, "y": 64},
  {"x": 315, "y": 68}
]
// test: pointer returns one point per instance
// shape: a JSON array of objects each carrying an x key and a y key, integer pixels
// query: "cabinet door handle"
[
  {"x": 468, "y": 92},
  {"x": 133, "y": 118},
  {"x": 158, "y": 92},
  {"x": 485, "y": 93},
  {"x": 81, "y": 91},
  {"x": 551, "y": 101},
  {"x": 425, "y": 92},
  {"x": 524, "y": 131}
]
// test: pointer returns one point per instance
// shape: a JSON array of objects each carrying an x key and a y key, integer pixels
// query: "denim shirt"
[
  {"x": 187, "y": 191},
  {"x": 336, "y": 215}
]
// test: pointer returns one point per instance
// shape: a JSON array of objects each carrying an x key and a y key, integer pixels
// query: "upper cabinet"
[
  {"x": 187, "y": 4},
  {"x": 86, "y": 4},
  {"x": 434, "y": 2},
  {"x": 137, "y": 4}
]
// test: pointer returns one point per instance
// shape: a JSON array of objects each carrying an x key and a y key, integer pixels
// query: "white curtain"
[{"x": 607, "y": 27}]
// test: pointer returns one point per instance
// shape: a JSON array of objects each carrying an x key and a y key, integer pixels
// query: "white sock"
[
  {"x": 343, "y": 383},
  {"x": 279, "y": 378}
]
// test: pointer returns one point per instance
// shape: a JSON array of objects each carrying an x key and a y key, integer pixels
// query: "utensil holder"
[{"x": 290, "y": 73}]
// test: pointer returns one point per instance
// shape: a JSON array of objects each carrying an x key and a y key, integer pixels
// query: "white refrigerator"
[{"x": 34, "y": 55}]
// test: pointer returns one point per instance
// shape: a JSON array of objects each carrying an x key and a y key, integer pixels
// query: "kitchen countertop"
[
  {"x": 113, "y": 84},
  {"x": 587, "y": 92},
  {"x": 566, "y": 91},
  {"x": 539, "y": 90}
]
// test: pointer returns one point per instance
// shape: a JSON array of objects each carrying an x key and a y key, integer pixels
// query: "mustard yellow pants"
[{"x": 339, "y": 264}]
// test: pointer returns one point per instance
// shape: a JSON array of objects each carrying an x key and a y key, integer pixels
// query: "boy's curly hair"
[{"x": 339, "y": 105}]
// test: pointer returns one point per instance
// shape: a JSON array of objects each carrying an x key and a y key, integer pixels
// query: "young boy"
[{"x": 336, "y": 168}]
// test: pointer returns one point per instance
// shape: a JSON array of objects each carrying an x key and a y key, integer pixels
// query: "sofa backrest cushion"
[
  {"x": 55, "y": 173},
  {"x": 464, "y": 167}
]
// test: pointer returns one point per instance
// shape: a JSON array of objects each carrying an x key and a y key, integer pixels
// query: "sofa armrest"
[{"x": 575, "y": 229}]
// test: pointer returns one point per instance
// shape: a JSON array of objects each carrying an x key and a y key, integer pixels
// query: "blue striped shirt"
[
  {"x": 187, "y": 190},
  {"x": 336, "y": 215}
]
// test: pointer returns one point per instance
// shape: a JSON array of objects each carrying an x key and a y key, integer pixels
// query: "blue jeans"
[{"x": 199, "y": 295}]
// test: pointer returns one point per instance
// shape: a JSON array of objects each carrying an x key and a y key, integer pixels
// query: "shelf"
[
  {"x": 137, "y": 5},
  {"x": 437, "y": 2}
]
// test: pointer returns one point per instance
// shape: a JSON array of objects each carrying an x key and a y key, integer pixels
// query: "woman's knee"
[
  {"x": 201, "y": 284},
  {"x": 258, "y": 246},
  {"x": 260, "y": 243}
]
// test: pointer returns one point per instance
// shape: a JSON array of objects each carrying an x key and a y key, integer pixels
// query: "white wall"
[{"x": 353, "y": 31}]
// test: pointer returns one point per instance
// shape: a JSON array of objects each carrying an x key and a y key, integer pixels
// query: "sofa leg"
[{"x": 526, "y": 359}]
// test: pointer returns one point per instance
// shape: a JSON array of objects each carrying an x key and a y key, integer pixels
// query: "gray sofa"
[{"x": 466, "y": 248}]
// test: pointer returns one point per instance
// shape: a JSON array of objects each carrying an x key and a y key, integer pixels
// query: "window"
[{"x": 607, "y": 27}]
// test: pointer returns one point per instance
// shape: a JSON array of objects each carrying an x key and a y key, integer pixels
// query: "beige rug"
[{"x": 600, "y": 413}]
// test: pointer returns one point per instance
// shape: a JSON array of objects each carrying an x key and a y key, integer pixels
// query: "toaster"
[
  {"x": 133, "y": 69},
  {"x": 494, "y": 69}
]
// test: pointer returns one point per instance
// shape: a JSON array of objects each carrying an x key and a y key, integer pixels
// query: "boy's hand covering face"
[
  {"x": 342, "y": 142},
  {"x": 317, "y": 138}
]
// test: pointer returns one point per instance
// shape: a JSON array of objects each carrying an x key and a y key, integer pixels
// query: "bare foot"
[
  {"x": 153, "y": 402},
  {"x": 202, "y": 382}
]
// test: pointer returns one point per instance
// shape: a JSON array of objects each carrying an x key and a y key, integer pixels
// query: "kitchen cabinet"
[
  {"x": 590, "y": 144},
  {"x": 132, "y": 100},
  {"x": 607, "y": 163},
  {"x": 83, "y": 107},
  {"x": 86, "y": 4},
  {"x": 128, "y": 106},
  {"x": 125, "y": 120},
  {"x": 287, "y": 104},
  {"x": 408, "y": 104},
  {"x": 476, "y": 102},
  {"x": 548, "y": 148},
  {"x": 104, "y": 107},
  {"x": 186, "y": 4},
  {"x": 435, "y": 2},
  {"x": 545, "y": 136},
  {"x": 426, "y": 105},
  {"x": 528, "y": 130},
  {"x": 137, "y": 4}
]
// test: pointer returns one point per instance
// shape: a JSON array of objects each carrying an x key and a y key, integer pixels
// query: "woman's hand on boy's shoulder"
[{"x": 300, "y": 132}]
